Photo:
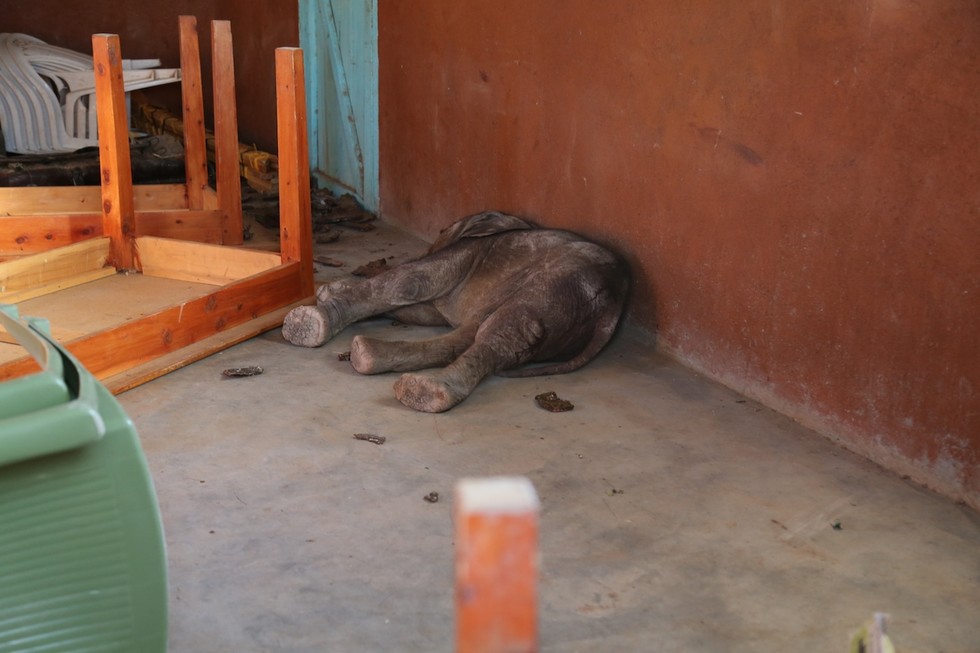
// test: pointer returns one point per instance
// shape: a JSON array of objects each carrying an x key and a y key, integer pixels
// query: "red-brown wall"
[
  {"x": 795, "y": 184},
  {"x": 148, "y": 30}
]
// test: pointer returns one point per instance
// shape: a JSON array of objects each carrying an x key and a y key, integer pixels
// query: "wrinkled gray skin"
[{"x": 514, "y": 295}]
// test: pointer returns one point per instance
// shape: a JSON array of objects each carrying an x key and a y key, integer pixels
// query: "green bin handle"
[{"x": 72, "y": 422}]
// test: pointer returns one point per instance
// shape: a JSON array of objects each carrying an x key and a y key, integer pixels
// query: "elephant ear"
[{"x": 487, "y": 223}]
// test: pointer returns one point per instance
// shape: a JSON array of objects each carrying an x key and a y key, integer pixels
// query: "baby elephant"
[{"x": 514, "y": 294}]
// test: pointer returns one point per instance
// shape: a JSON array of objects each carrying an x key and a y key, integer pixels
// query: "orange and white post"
[{"x": 496, "y": 523}]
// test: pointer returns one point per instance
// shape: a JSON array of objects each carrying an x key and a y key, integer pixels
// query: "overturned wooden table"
[{"x": 140, "y": 280}]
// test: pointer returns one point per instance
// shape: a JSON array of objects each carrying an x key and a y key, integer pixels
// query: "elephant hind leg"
[
  {"x": 436, "y": 391},
  {"x": 373, "y": 356},
  {"x": 427, "y": 393},
  {"x": 500, "y": 343}
]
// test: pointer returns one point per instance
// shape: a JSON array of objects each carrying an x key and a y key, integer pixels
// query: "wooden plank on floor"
[
  {"x": 135, "y": 342},
  {"x": 158, "y": 367},
  {"x": 106, "y": 303},
  {"x": 61, "y": 335},
  {"x": 62, "y": 284},
  {"x": 202, "y": 263},
  {"x": 57, "y": 266}
]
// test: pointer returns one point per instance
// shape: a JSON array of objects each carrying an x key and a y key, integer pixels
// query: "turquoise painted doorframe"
[{"x": 340, "y": 39}]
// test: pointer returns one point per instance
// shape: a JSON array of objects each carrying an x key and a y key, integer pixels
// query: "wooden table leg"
[
  {"x": 227, "y": 168},
  {"x": 195, "y": 144},
  {"x": 295, "y": 217},
  {"x": 118, "y": 206}
]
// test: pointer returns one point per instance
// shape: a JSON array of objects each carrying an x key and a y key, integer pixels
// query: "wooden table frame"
[{"x": 54, "y": 239}]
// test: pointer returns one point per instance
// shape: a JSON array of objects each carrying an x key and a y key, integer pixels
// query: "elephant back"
[{"x": 479, "y": 225}]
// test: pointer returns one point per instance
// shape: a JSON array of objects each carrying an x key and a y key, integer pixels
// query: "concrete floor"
[{"x": 676, "y": 515}]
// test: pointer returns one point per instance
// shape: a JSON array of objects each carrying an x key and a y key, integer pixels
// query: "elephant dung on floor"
[{"x": 512, "y": 293}]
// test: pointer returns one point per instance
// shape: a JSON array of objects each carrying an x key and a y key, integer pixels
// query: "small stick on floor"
[{"x": 369, "y": 437}]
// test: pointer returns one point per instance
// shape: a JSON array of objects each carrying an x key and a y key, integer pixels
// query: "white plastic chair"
[{"x": 47, "y": 94}]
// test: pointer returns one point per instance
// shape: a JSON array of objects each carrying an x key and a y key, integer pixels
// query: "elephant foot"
[
  {"x": 365, "y": 357},
  {"x": 307, "y": 326},
  {"x": 426, "y": 394}
]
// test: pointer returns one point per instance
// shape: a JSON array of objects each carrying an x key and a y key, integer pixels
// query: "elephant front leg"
[
  {"x": 373, "y": 356},
  {"x": 312, "y": 326},
  {"x": 341, "y": 303}
]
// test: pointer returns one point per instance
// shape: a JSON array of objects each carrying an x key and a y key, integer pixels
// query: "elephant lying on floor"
[{"x": 514, "y": 294}]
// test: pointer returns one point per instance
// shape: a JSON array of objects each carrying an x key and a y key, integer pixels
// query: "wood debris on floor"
[
  {"x": 258, "y": 169},
  {"x": 553, "y": 403},
  {"x": 155, "y": 159},
  {"x": 328, "y": 261},
  {"x": 235, "y": 372},
  {"x": 370, "y": 437},
  {"x": 371, "y": 268},
  {"x": 328, "y": 211}
]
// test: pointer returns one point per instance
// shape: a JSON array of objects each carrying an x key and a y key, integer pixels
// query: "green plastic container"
[{"x": 82, "y": 557}]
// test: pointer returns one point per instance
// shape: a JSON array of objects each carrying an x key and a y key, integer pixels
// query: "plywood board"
[
  {"x": 59, "y": 334},
  {"x": 58, "y": 268},
  {"x": 104, "y": 303},
  {"x": 212, "y": 264}
]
